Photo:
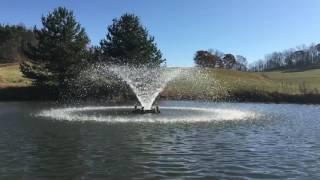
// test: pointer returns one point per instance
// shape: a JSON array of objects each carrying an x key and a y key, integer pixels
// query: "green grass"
[
  {"x": 221, "y": 84},
  {"x": 310, "y": 78},
  {"x": 10, "y": 75}
]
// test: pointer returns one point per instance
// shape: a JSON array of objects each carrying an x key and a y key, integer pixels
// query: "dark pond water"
[{"x": 200, "y": 140}]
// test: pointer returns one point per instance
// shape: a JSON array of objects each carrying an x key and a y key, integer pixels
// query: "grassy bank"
[
  {"x": 213, "y": 84},
  {"x": 10, "y": 76},
  {"x": 275, "y": 86},
  {"x": 14, "y": 87}
]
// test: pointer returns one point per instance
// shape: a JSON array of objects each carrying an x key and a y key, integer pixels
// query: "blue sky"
[{"x": 251, "y": 28}]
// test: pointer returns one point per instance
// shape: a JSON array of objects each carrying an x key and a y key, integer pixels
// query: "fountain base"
[{"x": 153, "y": 110}]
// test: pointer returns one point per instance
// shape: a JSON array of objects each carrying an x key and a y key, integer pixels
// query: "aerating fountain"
[{"x": 146, "y": 83}]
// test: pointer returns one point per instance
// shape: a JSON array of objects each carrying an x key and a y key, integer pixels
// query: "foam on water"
[{"x": 168, "y": 114}]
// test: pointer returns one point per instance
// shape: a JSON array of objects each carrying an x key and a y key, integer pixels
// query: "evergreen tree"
[
  {"x": 13, "y": 38},
  {"x": 61, "y": 46},
  {"x": 128, "y": 42}
]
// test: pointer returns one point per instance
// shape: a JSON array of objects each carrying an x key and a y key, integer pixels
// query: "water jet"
[{"x": 146, "y": 83}]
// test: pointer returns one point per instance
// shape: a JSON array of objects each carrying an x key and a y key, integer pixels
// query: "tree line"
[
  {"x": 217, "y": 59},
  {"x": 300, "y": 57},
  {"x": 13, "y": 40}
]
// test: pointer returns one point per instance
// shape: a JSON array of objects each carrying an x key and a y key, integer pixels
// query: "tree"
[
  {"x": 205, "y": 59},
  {"x": 93, "y": 54},
  {"x": 13, "y": 38},
  {"x": 128, "y": 42},
  {"x": 61, "y": 47},
  {"x": 288, "y": 57},
  {"x": 219, "y": 55},
  {"x": 299, "y": 57},
  {"x": 241, "y": 63},
  {"x": 229, "y": 60}
]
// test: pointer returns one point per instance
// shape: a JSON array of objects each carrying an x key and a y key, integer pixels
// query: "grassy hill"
[
  {"x": 10, "y": 76},
  {"x": 309, "y": 79},
  {"x": 275, "y": 86}
]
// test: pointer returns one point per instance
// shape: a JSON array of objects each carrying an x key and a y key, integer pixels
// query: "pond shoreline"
[
  {"x": 32, "y": 93},
  {"x": 256, "y": 97}
]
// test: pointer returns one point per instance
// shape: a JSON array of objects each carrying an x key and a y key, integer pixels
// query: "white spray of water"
[
  {"x": 177, "y": 114},
  {"x": 146, "y": 82}
]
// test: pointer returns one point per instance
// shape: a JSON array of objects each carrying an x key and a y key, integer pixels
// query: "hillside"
[
  {"x": 219, "y": 84},
  {"x": 308, "y": 78},
  {"x": 10, "y": 76}
]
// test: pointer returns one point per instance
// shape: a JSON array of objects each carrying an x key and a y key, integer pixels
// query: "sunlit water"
[{"x": 187, "y": 140}]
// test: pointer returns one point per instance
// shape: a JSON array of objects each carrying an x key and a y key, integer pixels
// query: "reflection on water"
[{"x": 282, "y": 142}]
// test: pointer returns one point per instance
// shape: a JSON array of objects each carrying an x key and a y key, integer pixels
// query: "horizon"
[{"x": 249, "y": 28}]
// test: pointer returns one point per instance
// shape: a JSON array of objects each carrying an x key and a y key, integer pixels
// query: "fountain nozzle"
[{"x": 153, "y": 110}]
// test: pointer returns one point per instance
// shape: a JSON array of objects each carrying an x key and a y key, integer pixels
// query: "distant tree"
[
  {"x": 312, "y": 53},
  {"x": 274, "y": 60},
  {"x": 219, "y": 55},
  {"x": 217, "y": 59},
  {"x": 61, "y": 47},
  {"x": 220, "y": 63},
  {"x": 13, "y": 39},
  {"x": 229, "y": 60},
  {"x": 288, "y": 62},
  {"x": 241, "y": 63},
  {"x": 205, "y": 59},
  {"x": 128, "y": 42},
  {"x": 299, "y": 57}
]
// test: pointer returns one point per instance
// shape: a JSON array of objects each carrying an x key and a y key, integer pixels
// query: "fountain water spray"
[{"x": 146, "y": 82}]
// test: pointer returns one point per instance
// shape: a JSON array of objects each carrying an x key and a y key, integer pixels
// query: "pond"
[{"x": 188, "y": 139}]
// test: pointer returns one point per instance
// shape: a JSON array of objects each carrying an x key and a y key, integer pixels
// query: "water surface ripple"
[{"x": 278, "y": 142}]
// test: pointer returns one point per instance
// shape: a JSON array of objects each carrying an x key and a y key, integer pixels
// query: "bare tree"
[
  {"x": 241, "y": 63},
  {"x": 229, "y": 60},
  {"x": 300, "y": 57}
]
